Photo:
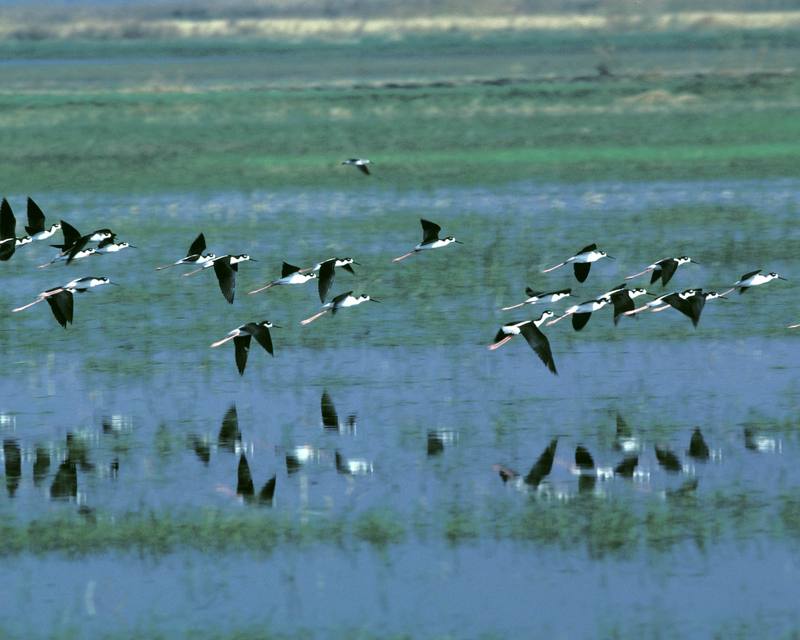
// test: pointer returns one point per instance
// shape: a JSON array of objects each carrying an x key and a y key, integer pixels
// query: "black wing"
[
  {"x": 8, "y": 223},
  {"x": 327, "y": 272},
  {"x": 668, "y": 460},
  {"x": 65, "y": 484},
  {"x": 579, "y": 320},
  {"x": 691, "y": 307},
  {"x": 267, "y": 491},
  {"x": 750, "y": 275},
  {"x": 623, "y": 430},
  {"x": 348, "y": 267},
  {"x": 229, "y": 433},
  {"x": 330, "y": 419},
  {"x": 7, "y": 249},
  {"x": 363, "y": 168},
  {"x": 622, "y": 303},
  {"x": 244, "y": 481},
  {"x": 587, "y": 249},
  {"x": 655, "y": 274},
  {"x": 698, "y": 447},
  {"x": 35, "y": 218},
  {"x": 242, "y": 346},
  {"x": 335, "y": 301},
  {"x": 627, "y": 466},
  {"x": 430, "y": 231},
  {"x": 226, "y": 276},
  {"x": 71, "y": 236},
  {"x": 581, "y": 270},
  {"x": 61, "y": 304},
  {"x": 531, "y": 293},
  {"x": 500, "y": 335},
  {"x": 541, "y": 468},
  {"x": 668, "y": 268},
  {"x": 261, "y": 333},
  {"x": 583, "y": 459},
  {"x": 197, "y": 247},
  {"x": 288, "y": 269},
  {"x": 540, "y": 344},
  {"x": 79, "y": 244}
]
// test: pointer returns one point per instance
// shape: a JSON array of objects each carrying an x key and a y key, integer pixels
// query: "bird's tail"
[
  {"x": 404, "y": 256},
  {"x": 314, "y": 317},
  {"x": 266, "y": 286}
]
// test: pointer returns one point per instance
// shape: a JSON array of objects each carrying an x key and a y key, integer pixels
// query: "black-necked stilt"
[
  {"x": 622, "y": 299},
  {"x": 624, "y": 440},
  {"x": 226, "y": 268},
  {"x": 582, "y": 261},
  {"x": 194, "y": 256},
  {"x": 627, "y": 467},
  {"x": 35, "y": 227},
  {"x": 535, "y": 297},
  {"x": 668, "y": 460},
  {"x": 342, "y": 301},
  {"x": 581, "y": 313},
  {"x": 689, "y": 302},
  {"x": 430, "y": 240},
  {"x": 330, "y": 419},
  {"x": 794, "y": 326},
  {"x": 698, "y": 449},
  {"x": 290, "y": 274},
  {"x": 663, "y": 269},
  {"x": 326, "y": 272},
  {"x": 352, "y": 466},
  {"x": 755, "y": 278},
  {"x": 358, "y": 163},
  {"x": 761, "y": 443},
  {"x": 241, "y": 340},
  {"x": 74, "y": 246},
  {"x": 245, "y": 487},
  {"x": 60, "y": 298},
  {"x": 109, "y": 246},
  {"x": 529, "y": 329}
]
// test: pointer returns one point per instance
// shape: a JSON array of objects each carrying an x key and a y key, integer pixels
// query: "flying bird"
[
  {"x": 582, "y": 261},
  {"x": 241, "y": 337},
  {"x": 430, "y": 240}
]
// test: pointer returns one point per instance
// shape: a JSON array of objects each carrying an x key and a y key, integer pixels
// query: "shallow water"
[{"x": 424, "y": 410}]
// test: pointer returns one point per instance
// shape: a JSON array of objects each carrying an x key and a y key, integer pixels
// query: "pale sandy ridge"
[{"x": 354, "y": 27}]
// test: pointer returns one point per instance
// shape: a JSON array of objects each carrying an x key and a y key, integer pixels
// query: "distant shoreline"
[{"x": 21, "y": 28}]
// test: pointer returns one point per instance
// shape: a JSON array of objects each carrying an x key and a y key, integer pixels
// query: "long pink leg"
[
  {"x": 266, "y": 286},
  {"x": 641, "y": 273},
  {"x": 223, "y": 341},
  {"x": 500, "y": 343},
  {"x": 314, "y": 317},
  {"x": 515, "y": 306},
  {"x": 561, "y": 264},
  {"x": 404, "y": 256}
]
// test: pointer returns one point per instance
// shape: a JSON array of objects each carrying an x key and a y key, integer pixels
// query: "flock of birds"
[{"x": 77, "y": 246}]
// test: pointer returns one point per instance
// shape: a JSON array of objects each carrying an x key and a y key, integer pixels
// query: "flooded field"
[{"x": 385, "y": 474}]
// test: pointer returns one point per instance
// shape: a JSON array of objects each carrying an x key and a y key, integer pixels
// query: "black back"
[
  {"x": 330, "y": 419},
  {"x": 197, "y": 247},
  {"x": 581, "y": 270},
  {"x": 61, "y": 304},
  {"x": 288, "y": 269},
  {"x": 35, "y": 218},
  {"x": 327, "y": 272},
  {"x": 226, "y": 277},
  {"x": 622, "y": 302},
  {"x": 691, "y": 307},
  {"x": 229, "y": 433},
  {"x": 543, "y": 464},
  {"x": 78, "y": 245},
  {"x": 338, "y": 299},
  {"x": 750, "y": 274},
  {"x": 587, "y": 249},
  {"x": 241, "y": 346},
  {"x": 430, "y": 231}
]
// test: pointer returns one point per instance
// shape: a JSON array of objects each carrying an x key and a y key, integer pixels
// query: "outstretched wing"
[
  {"x": 8, "y": 223},
  {"x": 541, "y": 468},
  {"x": 325, "y": 278},
  {"x": 579, "y": 320},
  {"x": 668, "y": 268},
  {"x": 750, "y": 275},
  {"x": 242, "y": 346},
  {"x": 691, "y": 307},
  {"x": 71, "y": 235},
  {"x": 363, "y": 168},
  {"x": 244, "y": 480},
  {"x": 226, "y": 276},
  {"x": 198, "y": 246},
  {"x": 229, "y": 433},
  {"x": 61, "y": 305},
  {"x": 622, "y": 303},
  {"x": 540, "y": 344},
  {"x": 288, "y": 269},
  {"x": 335, "y": 302},
  {"x": 430, "y": 231},
  {"x": 261, "y": 333},
  {"x": 581, "y": 270},
  {"x": 587, "y": 249},
  {"x": 330, "y": 419},
  {"x": 35, "y": 218}
]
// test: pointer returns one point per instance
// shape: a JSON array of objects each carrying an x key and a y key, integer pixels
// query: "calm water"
[{"x": 133, "y": 395}]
